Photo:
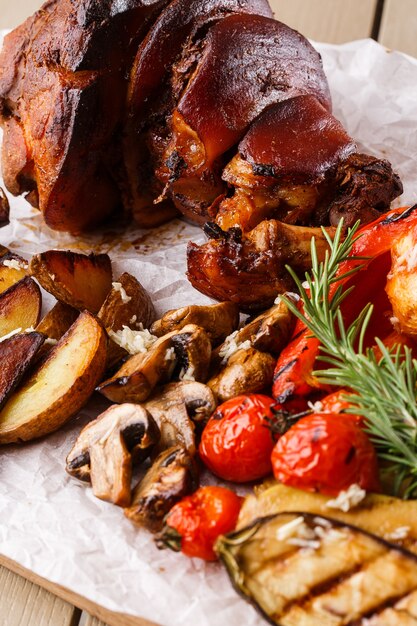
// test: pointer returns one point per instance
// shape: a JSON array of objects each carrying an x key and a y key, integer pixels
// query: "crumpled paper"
[{"x": 50, "y": 523}]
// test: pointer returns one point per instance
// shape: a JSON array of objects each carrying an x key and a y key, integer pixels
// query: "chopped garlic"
[
  {"x": 11, "y": 334},
  {"x": 290, "y": 295},
  {"x": 49, "y": 341},
  {"x": 133, "y": 319},
  {"x": 230, "y": 346},
  {"x": 170, "y": 354},
  {"x": 14, "y": 264},
  {"x": 119, "y": 287},
  {"x": 133, "y": 341},
  {"x": 348, "y": 499},
  {"x": 398, "y": 534},
  {"x": 304, "y": 543},
  {"x": 290, "y": 529},
  {"x": 187, "y": 374},
  {"x": 316, "y": 407}
]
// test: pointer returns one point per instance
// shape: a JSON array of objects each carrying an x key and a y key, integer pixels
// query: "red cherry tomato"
[
  {"x": 201, "y": 518},
  {"x": 327, "y": 453},
  {"x": 335, "y": 403},
  {"x": 236, "y": 443}
]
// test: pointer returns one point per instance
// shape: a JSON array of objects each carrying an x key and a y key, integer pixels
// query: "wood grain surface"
[
  {"x": 399, "y": 25},
  {"x": 27, "y": 599}
]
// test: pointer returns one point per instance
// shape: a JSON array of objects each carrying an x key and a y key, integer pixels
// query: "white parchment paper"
[{"x": 50, "y": 523}]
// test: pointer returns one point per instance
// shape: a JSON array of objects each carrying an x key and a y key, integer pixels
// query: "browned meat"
[
  {"x": 153, "y": 95},
  {"x": 62, "y": 92},
  {"x": 249, "y": 269}
]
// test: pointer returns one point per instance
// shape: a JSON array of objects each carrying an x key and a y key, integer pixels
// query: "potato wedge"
[
  {"x": 79, "y": 280},
  {"x": 12, "y": 269},
  {"x": 20, "y": 306},
  {"x": 4, "y": 208},
  {"x": 58, "y": 321},
  {"x": 128, "y": 305},
  {"x": 17, "y": 354},
  {"x": 59, "y": 386}
]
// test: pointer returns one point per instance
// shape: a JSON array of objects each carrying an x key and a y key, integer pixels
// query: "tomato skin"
[
  {"x": 327, "y": 453},
  {"x": 202, "y": 517},
  {"x": 236, "y": 443},
  {"x": 335, "y": 403}
]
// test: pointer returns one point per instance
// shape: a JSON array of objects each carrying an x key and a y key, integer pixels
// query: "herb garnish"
[{"x": 383, "y": 387}]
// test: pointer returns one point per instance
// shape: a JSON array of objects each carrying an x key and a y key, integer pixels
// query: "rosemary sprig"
[{"x": 383, "y": 389}]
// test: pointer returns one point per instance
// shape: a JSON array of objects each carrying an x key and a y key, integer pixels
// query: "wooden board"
[
  {"x": 333, "y": 21},
  {"x": 399, "y": 25},
  {"x": 109, "y": 617},
  {"x": 24, "y": 603}
]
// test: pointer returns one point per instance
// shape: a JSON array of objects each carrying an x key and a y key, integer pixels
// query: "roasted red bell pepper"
[{"x": 293, "y": 378}]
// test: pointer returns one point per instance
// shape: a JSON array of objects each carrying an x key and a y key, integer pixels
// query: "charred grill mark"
[
  {"x": 285, "y": 368},
  {"x": 388, "y": 604},
  {"x": 263, "y": 170},
  {"x": 397, "y": 218},
  {"x": 213, "y": 231}
]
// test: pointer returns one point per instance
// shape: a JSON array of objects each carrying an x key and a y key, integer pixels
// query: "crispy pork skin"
[{"x": 62, "y": 92}]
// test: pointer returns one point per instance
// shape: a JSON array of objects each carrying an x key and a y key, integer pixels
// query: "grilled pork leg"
[
  {"x": 62, "y": 93},
  {"x": 298, "y": 164},
  {"x": 153, "y": 94},
  {"x": 245, "y": 64}
]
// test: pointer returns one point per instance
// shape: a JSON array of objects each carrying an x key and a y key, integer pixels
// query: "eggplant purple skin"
[{"x": 309, "y": 519}]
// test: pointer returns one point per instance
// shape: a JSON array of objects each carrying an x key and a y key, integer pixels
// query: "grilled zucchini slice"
[{"x": 301, "y": 569}]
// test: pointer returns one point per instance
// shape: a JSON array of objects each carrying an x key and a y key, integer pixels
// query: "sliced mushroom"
[
  {"x": 107, "y": 448},
  {"x": 176, "y": 407},
  {"x": 218, "y": 320},
  {"x": 246, "y": 371},
  {"x": 173, "y": 475},
  {"x": 187, "y": 352},
  {"x": 193, "y": 352}
]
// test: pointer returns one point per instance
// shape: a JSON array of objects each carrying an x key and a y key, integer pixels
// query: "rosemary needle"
[{"x": 382, "y": 389}]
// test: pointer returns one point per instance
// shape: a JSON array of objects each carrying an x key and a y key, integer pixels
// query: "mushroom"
[
  {"x": 247, "y": 371},
  {"x": 176, "y": 407},
  {"x": 187, "y": 352},
  {"x": 173, "y": 475},
  {"x": 270, "y": 331},
  {"x": 193, "y": 352},
  {"x": 107, "y": 448},
  {"x": 218, "y": 320}
]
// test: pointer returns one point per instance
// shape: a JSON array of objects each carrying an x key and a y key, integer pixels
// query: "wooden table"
[{"x": 24, "y": 600}]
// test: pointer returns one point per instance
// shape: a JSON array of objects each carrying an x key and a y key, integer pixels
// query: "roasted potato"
[
  {"x": 57, "y": 321},
  {"x": 59, "y": 386},
  {"x": 401, "y": 285},
  {"x": 12, "y": 269},
  {"x": 17, "y": 354},
  {"x": 127, "y": 304},
  {"x": 80, "y": 281},
  {"x": 20, "y": 306}
]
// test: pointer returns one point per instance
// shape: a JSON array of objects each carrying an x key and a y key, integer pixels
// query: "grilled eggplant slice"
[
  {"x": 390, "y": 518},
  {"x": 107, "y": 447},
  {"x": 173, "y": 475},
  {"x": 301, "y": 569}
]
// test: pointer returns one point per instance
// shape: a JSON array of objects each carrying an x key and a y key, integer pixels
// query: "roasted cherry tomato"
[
  {"x": 327, "y": 453},
  {"x": 335, "y": 403},
  {"x": 237, "y": 443},
  {"x": 199, "y": 519}
]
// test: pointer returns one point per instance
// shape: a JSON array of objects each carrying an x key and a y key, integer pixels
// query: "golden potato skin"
[
  {"x": 60, "y": 385},
  {"x": 20, "y": 306}
]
